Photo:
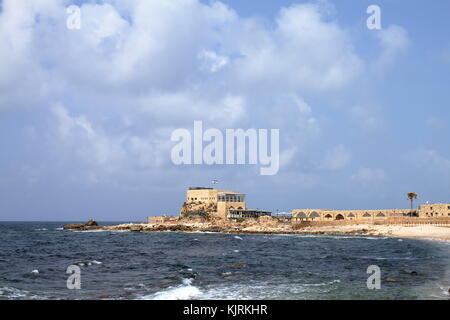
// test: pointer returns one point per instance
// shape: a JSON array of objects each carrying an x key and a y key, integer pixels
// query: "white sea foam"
[
  {"x": 183, "y": 292},
  {"x": 35, "y": 271},
  {"x": 237, "y": 237},
  {"x": 251, "y": 291},
  {"x": 95, "y": 231},
  {"x": 322, "y": 283},
  {"x": 96, "y": 262},
  {"x": 41, "y": 229},
  {"x": 14, "y": 293}
]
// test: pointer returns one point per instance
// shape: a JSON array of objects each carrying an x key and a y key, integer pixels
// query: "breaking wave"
[{"x": 185, "y": 291}]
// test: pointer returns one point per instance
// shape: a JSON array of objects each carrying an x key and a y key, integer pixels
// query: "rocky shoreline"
[
  {"x": 235, "y": 228},
  {"x": 422, "y": 232}
]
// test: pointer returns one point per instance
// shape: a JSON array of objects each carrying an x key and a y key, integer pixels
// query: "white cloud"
[
  {"x": 305, "y": 51},
  {"x": 369, "y": 175},
  {"x": 394, "y": 41},
  {"x": 337, "y": 158},
  {"x": 168, "y": 63},
  {"x": 432, "y": 161},
  {"x": 107, "y": 156},
  {"x": 367, "y": 118},
  {"x": 212, "y": 62}
]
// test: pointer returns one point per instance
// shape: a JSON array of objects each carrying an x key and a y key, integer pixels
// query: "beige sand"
[{"x": 423, "y": 231}]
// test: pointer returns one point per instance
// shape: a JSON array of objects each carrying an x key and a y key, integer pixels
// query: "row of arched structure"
[{"x": 328, "y": 215}]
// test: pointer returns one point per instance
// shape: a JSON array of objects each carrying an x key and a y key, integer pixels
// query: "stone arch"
[
  {"x": 328, "y": 216},
  {"x": 240, "y": 208},
  {"x": 301, "y": 214},
  {"x": 367, "y": 215},
  {"x": 351, "y": 215},
  {"x": 339, "y": 217},
  {"x": 381, "y": 214},
  {"x": 314, "y": 214}
]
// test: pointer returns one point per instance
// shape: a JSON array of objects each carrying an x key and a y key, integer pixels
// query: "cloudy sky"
[{"x": 86, "y": 114}]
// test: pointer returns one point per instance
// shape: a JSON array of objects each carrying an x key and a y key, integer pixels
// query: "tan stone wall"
[
  {"x": 204, "y": 198},
  {"x": 222, "y": 208},
  {"x": 161, "y": 219},
  {"x": 407, "y": 221},
  {"x": 337, "y": 215},
  {"x": 434, "y": 210},
  {"x": 203, "y": 195}
]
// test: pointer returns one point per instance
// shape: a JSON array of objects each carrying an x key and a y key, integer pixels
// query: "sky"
[{"x": 86, "y": 114}]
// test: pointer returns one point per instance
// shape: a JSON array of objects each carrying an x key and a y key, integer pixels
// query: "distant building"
[
  {"x": 425, "y": 211},
  {"x": 161, "y": 219},
  {"x": 431, "y": 210},
  {"x": 223, "y": 204}
]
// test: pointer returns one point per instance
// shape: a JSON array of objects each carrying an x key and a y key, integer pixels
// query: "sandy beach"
[{"x": 400, "y": 231}]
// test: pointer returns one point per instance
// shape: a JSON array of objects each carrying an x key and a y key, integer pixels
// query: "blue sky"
[{"x": 86, "y": 115}]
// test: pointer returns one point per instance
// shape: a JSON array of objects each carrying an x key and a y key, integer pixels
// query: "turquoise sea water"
[{"x": 173, "y": 265}]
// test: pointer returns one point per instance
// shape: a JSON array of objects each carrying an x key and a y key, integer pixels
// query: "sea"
[{"x": 36, "y": 256}]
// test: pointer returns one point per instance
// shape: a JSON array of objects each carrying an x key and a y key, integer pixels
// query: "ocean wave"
[
  {"x": 185, "y": 291},
  {"x": 383, "y": 258},
  {"x": 14, "y": 293},
  {"x": 96, "y": 231},
  {"x": 41, "y": 229},
  {"x": 262, "y": 290},
  {"x": 322, "y": 283}
]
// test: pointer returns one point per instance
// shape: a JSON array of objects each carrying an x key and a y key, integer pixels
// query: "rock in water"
[
  {"x": 73, "y": 226},
  {"x": 91, "y": 223}
]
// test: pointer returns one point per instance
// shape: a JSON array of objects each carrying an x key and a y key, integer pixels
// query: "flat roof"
[{"x": 250, "y": 210}]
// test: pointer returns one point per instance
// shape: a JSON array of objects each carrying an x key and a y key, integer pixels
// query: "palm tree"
[{"x": 411, "y": 197}]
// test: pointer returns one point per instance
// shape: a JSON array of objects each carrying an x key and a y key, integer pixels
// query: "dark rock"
[
  {"x": 73, "y": 226},
  {"x": 91, "y": 223}
]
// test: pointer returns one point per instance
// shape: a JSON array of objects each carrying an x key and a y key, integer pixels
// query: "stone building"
[
  {"x": 434, "y": 210},
  {"x": 425, "y": 211},
  {"x": 217, "y": 202}
]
